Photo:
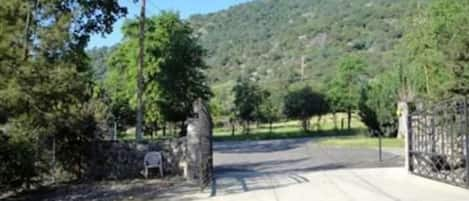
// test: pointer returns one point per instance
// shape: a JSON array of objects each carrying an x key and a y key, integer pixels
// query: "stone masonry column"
[
  {"x": 403, "y": 131},
  {"x": 199, "y": 144}
]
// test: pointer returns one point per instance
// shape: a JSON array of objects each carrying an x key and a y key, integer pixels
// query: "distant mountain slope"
[
  {"x": 267, "y": 38},
  {"x": 98, "y": 58}
]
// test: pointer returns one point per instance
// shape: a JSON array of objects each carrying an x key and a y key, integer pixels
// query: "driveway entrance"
[{"x": 302, "y": 169}]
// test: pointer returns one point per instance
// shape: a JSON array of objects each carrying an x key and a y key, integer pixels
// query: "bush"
[
  {"x": 18, "y": 162},
  {"x": 26, "y": 151}
]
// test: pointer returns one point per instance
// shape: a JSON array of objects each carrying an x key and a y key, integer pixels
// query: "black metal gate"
[{"x": 439, "y": 141}]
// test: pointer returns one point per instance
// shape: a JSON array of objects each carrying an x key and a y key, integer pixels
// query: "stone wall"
[{"x": 124, "y": 160}]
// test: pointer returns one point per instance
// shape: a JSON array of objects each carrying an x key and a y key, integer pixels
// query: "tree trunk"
[
  {"x": 270, "y": 127},
  {"x": 304, "y": 123},
  {"x": 349, "y": 119},
  {"x": 247, "y": 127},
  {"x": 164, "y": 129},
  {"x": 232, "y": 129},
  {"x": 27, "y": 30},
  {"x": 152, "y": 132},
  {"x": 334, "y": 117},
  {"x": 318, "y": 123},
  {"x": 155, "y": 130},
  {"x": 341, "y": 123}
]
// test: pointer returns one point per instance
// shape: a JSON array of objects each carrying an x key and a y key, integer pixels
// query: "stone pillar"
[
  {"x": 193, "y": 151},
  {"x": 199, "y": 144},
  {"x": 403, "y": 131},
  {"x": 403, "y": 113}
]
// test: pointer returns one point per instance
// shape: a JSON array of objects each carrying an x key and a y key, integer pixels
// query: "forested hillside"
[{"x": 267, "y": 38}]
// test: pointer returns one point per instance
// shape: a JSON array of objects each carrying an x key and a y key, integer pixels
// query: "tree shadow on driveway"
[
  {"x": 244, "y": 178},
  {"x": 265, "y": 165},
  {"x": 259, "y": 146}
]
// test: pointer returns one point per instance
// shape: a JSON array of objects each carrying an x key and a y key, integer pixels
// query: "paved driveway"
[
  {"x": 296, "y": 155},
  {"x": 301, "y": 169}
]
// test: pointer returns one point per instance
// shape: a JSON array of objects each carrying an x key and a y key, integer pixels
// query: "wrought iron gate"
[{"x": 439, "y": 141}]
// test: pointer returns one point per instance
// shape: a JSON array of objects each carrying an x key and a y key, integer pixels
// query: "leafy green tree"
[
  {"x": 344, "y": 89},
  {"x": 174, "y": 70},
  {"x": 303, "y": 104},
  {"x": 248, "y": 100},
  {"x": 181, "y": 75},
  {"x": 269, "y": 112},
  {"x": 45, "y": 81},
  {"x": 378, "y": 104},
  {"x": 436, "y": 50},
  {"x": 450, "y": 26}
]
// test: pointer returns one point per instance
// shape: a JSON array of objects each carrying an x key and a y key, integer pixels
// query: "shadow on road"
[
  {"x": 259, "y": 146},
  {"x": 265, "y": 165}
]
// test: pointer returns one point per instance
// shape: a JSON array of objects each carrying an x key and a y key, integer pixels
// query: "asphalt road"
[
  {"x": 302, "y": 169},
  {"x": 295, "y": 155}
]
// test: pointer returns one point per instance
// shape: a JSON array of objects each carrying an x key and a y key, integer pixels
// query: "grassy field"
[
  {"x": 361, "y": 142},
  {"x": 328, "y": 134},
  {"x": 291, "y": 129}
]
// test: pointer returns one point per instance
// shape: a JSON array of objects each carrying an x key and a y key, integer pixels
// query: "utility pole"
[
  {"x": 139, "y": 130},
  {"x": 27, "y": 30}
]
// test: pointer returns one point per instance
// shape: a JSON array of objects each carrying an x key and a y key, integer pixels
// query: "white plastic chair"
[{"x": 153, "y": 160}]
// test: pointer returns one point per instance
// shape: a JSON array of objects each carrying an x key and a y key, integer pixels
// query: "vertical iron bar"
[
  {"x": 421, "y": 129},
  {"x": 432, "y": 132},
  {"x": 466, "y": 131},
  {"x": 418, "y": 126},
  {"x": 422, "y": 133},
  {"x": 443, "y": 130},
  {"x": 450, "y": 158},
  {"x": 428, "y": 134},
  {"x": 424, "y": 136},
  {"x": 409, "y": 143}
]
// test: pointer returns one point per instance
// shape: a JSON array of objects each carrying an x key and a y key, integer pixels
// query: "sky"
[{"x": 185, "y": 8}]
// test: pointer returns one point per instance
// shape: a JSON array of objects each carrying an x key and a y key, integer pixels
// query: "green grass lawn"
[
  {"x": 361, "y": 142},
  {"x": 292, "y": 129},
  {"x": 328, "y": 134}
]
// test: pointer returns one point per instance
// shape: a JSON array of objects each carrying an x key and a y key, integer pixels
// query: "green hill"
[{"x": 267, "y": 38}]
